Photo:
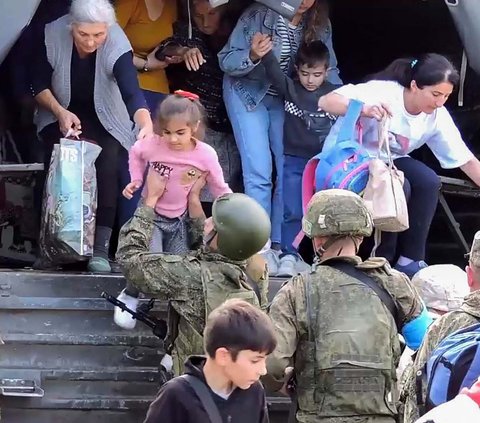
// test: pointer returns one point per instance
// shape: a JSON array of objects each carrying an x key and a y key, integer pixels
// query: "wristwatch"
[{"x": 145, "y": 66}]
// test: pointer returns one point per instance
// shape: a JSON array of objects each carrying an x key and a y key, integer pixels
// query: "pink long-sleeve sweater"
[{"x": 184, "y": 168}]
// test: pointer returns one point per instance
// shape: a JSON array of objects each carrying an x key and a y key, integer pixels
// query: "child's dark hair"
[
  {"x": 312, "y": 54},
  {"x": 426, "y": 70},
  {"x": 188, "y": 106},
  {"x": 237, "y": 325}
]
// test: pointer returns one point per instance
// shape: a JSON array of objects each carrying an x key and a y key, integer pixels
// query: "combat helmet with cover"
[
  {"x": 242, "y": 225},
  {"x": 338, "y": 213}
]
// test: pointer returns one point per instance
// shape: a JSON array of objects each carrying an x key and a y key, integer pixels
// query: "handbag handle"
[{"x": 383, "y": 142}]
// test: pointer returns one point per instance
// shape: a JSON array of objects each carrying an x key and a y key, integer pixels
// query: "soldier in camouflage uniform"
[
  {"x": 197, "y": 283},
  {"x": 337, "y": 334},
  {"x": 469, "y": 314}
]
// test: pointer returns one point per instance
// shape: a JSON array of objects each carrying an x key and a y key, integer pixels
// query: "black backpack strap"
[
  {"x": 205, "y": 397},
  {"x": 382, "y": 293}
]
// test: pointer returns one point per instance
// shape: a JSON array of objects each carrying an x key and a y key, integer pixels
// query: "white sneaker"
[
  {"x": 287, "y": 266},
  {"x": 273, "y": 261},
  {"x": 301, "y": 266},
  {"x": 291, "y": 265},
  {"x": 122, "y": 318}
]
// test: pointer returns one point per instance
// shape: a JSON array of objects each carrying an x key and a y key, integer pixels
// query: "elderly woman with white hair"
[{"x": 84, "y": 80}]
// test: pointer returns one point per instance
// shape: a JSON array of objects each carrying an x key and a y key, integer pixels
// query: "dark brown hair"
[
  {"x": 192, "y": 109},
  {"x": 426, "y": 70},
  {"x": 312, "y": 54},
  {"x": 237, "y": 325},
  {"x": 316, "y": 18}
]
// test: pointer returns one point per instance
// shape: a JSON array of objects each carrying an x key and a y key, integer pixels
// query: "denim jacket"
[{"x": 249, "y": 79}]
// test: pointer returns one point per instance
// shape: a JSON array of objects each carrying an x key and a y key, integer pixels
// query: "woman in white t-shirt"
[{"x": 413, "y": 92}]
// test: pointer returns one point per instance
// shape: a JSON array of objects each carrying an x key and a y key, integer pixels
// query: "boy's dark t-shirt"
[
  {"x": 298, "y": 139},
  {"x": 177, "y": 402}
]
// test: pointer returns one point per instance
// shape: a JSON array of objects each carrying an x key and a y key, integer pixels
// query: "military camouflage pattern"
[
  {"x": 346, "y": 371},
  {"x": 337, "y": 212},
  {"x": 468, "y": 314},
  {"x": 474, "y": 254},
  {"x": 242, "y": 225},
  {"x": 194, "y": 284}
]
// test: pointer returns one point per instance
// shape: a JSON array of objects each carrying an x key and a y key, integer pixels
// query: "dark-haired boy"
[
  {"x": 304, "y": 132},
  {"x": 238, "y": 337}
]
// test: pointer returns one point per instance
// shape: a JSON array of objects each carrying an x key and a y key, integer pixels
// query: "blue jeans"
[
  {"x": 259, "y": 136},
  {"x": 293, "y": 167},
  {"x": 153, "y": 100}
]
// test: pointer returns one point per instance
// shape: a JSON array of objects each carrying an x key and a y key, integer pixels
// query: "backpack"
[
  {"x": 453, "y": 365},
  {"x": 344, "y": 166}
]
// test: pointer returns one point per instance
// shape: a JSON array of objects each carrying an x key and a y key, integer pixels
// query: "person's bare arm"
[
  {"x": 337, "y": 104},
  {"x": 472, "y": 170}
]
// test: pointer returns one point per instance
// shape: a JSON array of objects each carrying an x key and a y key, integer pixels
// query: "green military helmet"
[
  {"x": 337, "y": 212},
  {"x": 242, "y": 225}
]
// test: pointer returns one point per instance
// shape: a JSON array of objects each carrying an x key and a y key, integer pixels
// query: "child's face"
[
  {"x": 312, "y": 77},
  {"x": 178, "y": 133},
  {"x": 246, "y": 369}
]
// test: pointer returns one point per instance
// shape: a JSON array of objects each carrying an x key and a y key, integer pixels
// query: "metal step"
[{"x": 65, "y": 360}]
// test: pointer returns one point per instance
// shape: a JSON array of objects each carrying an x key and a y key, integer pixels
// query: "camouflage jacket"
[
  {"x": 289, "y": 315},
  {"x": 192, "y": 284},
  {"x": 468, "y": 314}
]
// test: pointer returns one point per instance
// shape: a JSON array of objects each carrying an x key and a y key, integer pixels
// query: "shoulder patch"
[{"x": 376, "y": 263}]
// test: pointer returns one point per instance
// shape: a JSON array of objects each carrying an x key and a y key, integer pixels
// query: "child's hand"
[
  {"x": 261, "y": 45},
  {"x": 198, "y": 185},
  {"x": 131, "y": 188}
]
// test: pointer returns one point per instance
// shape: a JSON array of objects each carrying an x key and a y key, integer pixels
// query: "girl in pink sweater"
[
  {"x": 178, "y": 155},
  {"x": 182, "y": 158}
]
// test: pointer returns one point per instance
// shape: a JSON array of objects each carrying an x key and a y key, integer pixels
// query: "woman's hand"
[
  {"x": 145, "y": 131},
  {"x": 261, "y": 45},
  {"x": 143, "y": 120},
  {"x": 131, "y": 189},
  {"x": 377, "y": 112},
  {"x": 193, "y": 59},
  {"x": 153, "y": 63},
  {"x": 68, "y": 122}
]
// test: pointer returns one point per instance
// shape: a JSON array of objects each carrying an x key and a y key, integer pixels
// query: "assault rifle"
[
  {"x": 142, "y": 314},
  {"x": 159, "y": 328}
]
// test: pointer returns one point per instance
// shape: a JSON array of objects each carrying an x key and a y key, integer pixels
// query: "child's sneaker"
[
  {"x": 291, "y": 265},
  {"x": 272, "y": 259},
  {"x": 412, "y": 268},
  {"x": 122, "y": 318}
]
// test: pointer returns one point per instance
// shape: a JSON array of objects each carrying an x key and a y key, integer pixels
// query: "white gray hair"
[{"x": 92, "y": 11}]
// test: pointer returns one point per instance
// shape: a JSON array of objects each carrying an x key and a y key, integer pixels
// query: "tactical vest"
[
  {"x": 345, "y": 366},
  {"x": 217, "y": 289}
]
